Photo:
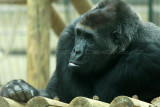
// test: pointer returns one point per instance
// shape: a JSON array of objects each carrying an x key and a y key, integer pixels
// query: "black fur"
[{"x": 115, "y": 54}]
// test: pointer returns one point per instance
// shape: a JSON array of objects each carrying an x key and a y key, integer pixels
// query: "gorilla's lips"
[
  {"x": 73, "y": 65},
  {"x": 77, "y": 68}
]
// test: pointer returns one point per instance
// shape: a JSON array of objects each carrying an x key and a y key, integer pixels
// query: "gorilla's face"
[{"x": 93, "y": 46}]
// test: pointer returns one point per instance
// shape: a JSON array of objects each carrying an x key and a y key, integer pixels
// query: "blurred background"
[{"x": 13, "y": 32}]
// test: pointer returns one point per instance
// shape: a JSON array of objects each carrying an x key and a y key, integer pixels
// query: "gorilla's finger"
[
  {"x": 19, "y": 92},
  {"x": 27, "y": 91},
  {"x": 12, "y": 95}
]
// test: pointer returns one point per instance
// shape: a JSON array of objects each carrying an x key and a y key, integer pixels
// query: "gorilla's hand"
[{"x": 19, "y": 90}]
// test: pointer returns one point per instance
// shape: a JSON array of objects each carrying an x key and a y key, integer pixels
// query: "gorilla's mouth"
[{"x": 73, "y": 65}]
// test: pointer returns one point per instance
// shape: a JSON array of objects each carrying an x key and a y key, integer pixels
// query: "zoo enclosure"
[{"x": 13, "y": 34}]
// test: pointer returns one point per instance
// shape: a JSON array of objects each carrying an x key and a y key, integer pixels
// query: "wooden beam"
[
  {"x": 17, "y": 1},
  {"x": 82, "y": 6},
  {"x": 156, "y": 102},
  {"x": 44, "y": 102},
  {"x": 6, "y": 102},
  {"x": 56, "y": 22},
  {"x": 12, "y": 1},
  {"x": 38, "y": 42},
  {"x": 86, "y": 102},
  {"x": 123, "y": 101}
]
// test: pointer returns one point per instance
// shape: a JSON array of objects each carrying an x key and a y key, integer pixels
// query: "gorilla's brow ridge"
[{"x": 85, "y": 28}]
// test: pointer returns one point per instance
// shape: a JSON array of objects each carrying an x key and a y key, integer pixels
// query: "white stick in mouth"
[{"x": 73, "y": 65}]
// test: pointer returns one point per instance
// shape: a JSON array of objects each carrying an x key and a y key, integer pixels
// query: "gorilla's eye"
[
  {"x": 78, "y": 31},
  {"x": 88, "y": 35},
  {"x": 79, "y": 34}
]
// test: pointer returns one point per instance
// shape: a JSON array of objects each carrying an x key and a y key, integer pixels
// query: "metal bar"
[{"x": 150, "y": 12}]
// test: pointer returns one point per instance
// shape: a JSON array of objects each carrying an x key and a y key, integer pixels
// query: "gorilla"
[{"x": 107, "y": 52}]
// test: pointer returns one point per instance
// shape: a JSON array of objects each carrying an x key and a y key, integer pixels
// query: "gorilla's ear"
[
  {"x": 115, "y": 36},
  {"x": 120, "y": 38}
]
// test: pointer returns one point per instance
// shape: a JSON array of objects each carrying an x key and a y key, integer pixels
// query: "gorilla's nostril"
[{"x": 77, "y": 52}]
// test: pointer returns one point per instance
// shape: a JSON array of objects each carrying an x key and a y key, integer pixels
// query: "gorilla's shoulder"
[{"x": 151, "y": 32}]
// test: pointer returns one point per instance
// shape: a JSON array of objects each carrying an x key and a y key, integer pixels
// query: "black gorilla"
[{"x": 106, "y": 52}]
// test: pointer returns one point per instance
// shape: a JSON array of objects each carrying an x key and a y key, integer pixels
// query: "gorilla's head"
[{"x": 103, "y": 31}]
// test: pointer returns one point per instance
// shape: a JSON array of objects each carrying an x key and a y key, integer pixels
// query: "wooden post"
[
  {"x": 86, "y": 102},
  {"x": 56, "y": 22},
  {"x": 6, "y": 102},
  {"x": 38, "y": 42},
  {"x": 82, "y": 5},
  {"x": 44, "y": 102}
]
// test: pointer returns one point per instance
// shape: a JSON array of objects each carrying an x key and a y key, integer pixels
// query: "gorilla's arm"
[{"x": 51, "y": 89}]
